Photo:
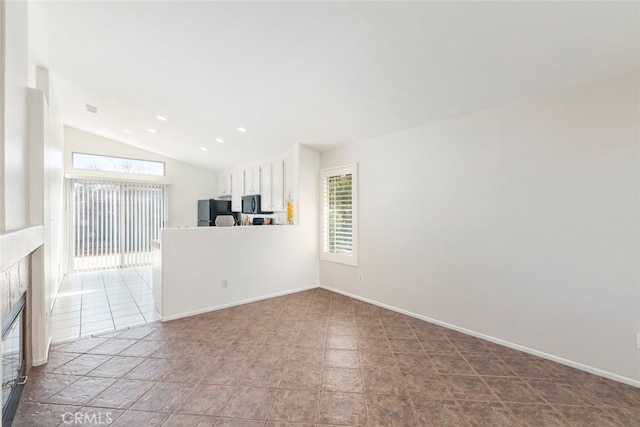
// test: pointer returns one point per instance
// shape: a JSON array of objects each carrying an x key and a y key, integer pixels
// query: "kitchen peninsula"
[{"x": 201, "y": 269}]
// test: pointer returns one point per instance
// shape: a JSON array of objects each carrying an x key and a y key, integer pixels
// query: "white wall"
[
  {"x": 15, "y": 148},
  {"x": 188, "y": 183},
  {"x": 27, "y": 219},
  {"x": 3, "y": 36},
  {"x": 257, "y": 261},
  {"x": 45, "y": 206},
  {"x": 519, "y": 223},
  {"x": 55, "y": 180}
]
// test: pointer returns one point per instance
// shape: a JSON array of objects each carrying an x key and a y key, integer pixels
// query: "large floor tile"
[{"x": 314, "y": 358}]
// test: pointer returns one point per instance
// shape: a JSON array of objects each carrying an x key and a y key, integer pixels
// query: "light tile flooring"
[
  {"x": 313, "y": 358},
  {"x": 102, "y": 301}
]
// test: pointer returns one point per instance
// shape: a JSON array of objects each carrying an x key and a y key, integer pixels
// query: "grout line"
[
  {"x": 307, "y": 319},
  {"x": 109, "y": 302},
  {"x": 134, "y": 298}
]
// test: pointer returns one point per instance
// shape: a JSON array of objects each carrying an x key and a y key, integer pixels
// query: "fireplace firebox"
[{"x": 13, "y": 360}]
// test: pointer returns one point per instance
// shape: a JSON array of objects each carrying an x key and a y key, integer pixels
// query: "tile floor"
[
  {"x": 102, "y": 301},
  {"x": 309, "y": 359}
]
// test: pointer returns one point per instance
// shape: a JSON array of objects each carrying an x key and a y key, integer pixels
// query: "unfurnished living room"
[{"x": 323, "y": 213}]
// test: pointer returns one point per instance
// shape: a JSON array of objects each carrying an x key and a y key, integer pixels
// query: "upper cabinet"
[
  {"x": 265, "y": 187},
  {"x": 224, "y": 184},
  {"x": 237, "y": 190},
  {"x": 272, "y": 176},
  {"x": 272, "y": 180},
  {"x": 252, "y": 181},
  {"x": 277, "y": 185},
  {"x": 288, "y": 178}
]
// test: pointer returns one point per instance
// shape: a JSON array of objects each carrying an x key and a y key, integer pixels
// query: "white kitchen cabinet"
[
  {"x": 272, "y": 180},
  {"x": 272, "y": 186},
  {"x": 288, "y": 178},
  {"x": 224, "y": 184},
  {"x": 237, "y": 190},
  {"x": 265, "y": 187},
  {"x": 277, "y": 185},
  {"x": 252, "y": 180}
]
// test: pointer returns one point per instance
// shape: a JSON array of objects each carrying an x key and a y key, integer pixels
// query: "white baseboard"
[
  {"x": 528, "y": 350},
  {"x": 233, "y": 304},
  {"x": 45, "y": 359},
  {"x": 40, "y": 362}
]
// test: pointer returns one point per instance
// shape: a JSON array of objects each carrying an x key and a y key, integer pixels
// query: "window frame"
[
  {"x": 347, "y": 259},
  {"x": 109, "y": 157}
]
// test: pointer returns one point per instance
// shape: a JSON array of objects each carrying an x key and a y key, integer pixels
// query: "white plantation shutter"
[{"x": 339, "y": 215}]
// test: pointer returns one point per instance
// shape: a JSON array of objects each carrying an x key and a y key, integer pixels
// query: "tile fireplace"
[
  {"x": 13, "y": 359},
  {"x": 16, "y": 287}
]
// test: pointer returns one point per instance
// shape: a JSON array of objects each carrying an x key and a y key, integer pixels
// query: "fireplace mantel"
[{"x": 17, "y": 244}]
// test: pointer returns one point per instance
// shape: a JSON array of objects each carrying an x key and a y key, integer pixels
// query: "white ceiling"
[{"x": 318, "y": 73}]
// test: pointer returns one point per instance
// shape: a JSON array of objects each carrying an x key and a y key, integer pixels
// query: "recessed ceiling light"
[
  {"x": 161, "y": 118},
  {"x": 241, "y": 129},
  {"x": 127, "y": 131},
  {"x": 204, "y": 148},
  {"x": 152, "y": 130},
  {"x": 220, "y": 140}
]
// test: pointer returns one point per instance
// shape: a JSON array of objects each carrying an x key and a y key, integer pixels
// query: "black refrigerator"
[{"x": 209, "y": 209}]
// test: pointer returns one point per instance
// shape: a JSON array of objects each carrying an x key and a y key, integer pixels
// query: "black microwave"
[{"x": 251, "y": 205}]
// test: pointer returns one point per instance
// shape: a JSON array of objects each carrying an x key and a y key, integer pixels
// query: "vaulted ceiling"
[{"x": 318, "y": 73}]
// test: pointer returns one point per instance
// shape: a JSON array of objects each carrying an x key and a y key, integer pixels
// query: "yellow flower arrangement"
[{"x": 290, "y": 211}]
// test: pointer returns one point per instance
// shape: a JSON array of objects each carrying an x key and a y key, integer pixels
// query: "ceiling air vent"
[{"x": 92, "y": 109}]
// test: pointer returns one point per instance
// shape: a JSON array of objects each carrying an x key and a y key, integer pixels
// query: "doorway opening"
[{"x": 113, "y": 223}]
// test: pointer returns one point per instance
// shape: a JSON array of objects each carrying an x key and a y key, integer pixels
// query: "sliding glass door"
[{"x": 113, "y": 223}]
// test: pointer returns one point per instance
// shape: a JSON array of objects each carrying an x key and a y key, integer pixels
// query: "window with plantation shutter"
[{"x": 339, "y": 215}]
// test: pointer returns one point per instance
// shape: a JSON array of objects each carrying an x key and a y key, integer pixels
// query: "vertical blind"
[{"x": 114, "y": 223}]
